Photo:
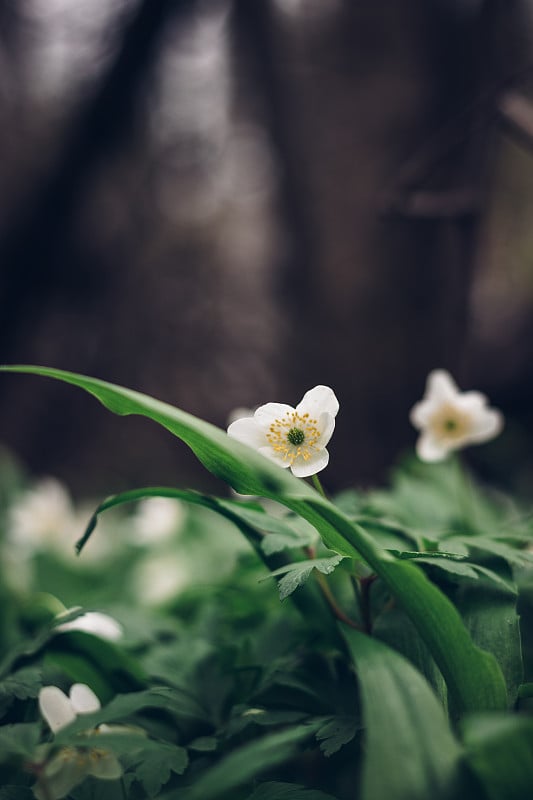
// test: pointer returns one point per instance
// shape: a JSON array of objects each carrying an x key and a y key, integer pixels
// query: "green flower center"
[
  {"x": 296, "y": 436},
  {"x": 450, "y": 425}
]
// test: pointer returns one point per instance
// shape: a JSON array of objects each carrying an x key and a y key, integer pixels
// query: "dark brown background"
[{"x": 225, "y": 203}]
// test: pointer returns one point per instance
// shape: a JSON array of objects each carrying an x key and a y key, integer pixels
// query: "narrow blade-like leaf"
[{"x": 473, "y": 676}]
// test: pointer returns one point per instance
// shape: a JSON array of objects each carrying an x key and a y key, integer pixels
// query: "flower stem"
[
  {"x": 328, "y": 594},
  {"x": 318, "y": 486},
  {"x": 366, "y": 615},
  {"x": 465, "y": 494}
]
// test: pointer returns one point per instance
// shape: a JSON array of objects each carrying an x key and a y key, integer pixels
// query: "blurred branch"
[
  {"x": 31, "y": 250},
  {"x": 516, "y": 113},
  {"x": 437, "y": 204},
  {"x": 254, "y": 28}
]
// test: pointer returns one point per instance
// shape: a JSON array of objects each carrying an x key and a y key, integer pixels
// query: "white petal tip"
[
  {"x": 56, "y": 708},
  {"x": 83, "y": 699}
]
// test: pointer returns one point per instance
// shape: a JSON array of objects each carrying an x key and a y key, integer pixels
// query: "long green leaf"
[
  {"x": 500, "y": 750},
  {"x": 251, "y": 522},
  {"x": 410, "y": 751},
  {"x": 246, "y": 763},
  {"x": 473, "y": 676}
]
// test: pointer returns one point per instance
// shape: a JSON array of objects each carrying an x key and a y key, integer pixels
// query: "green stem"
[
  {"x": 465, "y": 494},
  {"x": 337, "y": 610},
  {"x": 318, "y": 486},
  {"x": 366, "y": 613}
]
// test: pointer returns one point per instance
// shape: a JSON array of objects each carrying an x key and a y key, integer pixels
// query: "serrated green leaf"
[
  {"x": 437, "y": 622},
  {"x": 21, "y": 685},
  {"x": 458, "y": 565},
  {"x": 155, "y": 768},
  {"x": 295, "y": 575},
  {"x": 473, "y": 676},
  {"x": 440, "y": 555},
  {"x": 511, "y": 554},
  {"x": 499, "y": 749},
  {"x": 410, "y": 750},
  {"x": 245, "y": 763},
  {"x": 19, "y": 739},
  {"x": 336, "y": 732}
]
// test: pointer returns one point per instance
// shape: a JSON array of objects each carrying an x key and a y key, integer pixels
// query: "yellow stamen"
[
  {"x": 284, "y": 441},
  {"x": 450, "y": 423}
]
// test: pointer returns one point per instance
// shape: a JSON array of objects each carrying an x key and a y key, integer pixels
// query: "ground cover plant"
[{"x": 398, "y": 664}]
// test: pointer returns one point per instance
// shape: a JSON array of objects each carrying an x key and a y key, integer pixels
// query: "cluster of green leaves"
[{"x": 422, "y": 690}]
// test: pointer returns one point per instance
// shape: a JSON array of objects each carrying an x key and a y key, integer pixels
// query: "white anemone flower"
[
  {"x": 292, "y": 437},
  {"x": 160, "y": 578},
  {"x": 94, "y": 622},
  {"x": 157, "y": 519},
  {"x": 71, "y": 765},
  {"x": 449, "y": 420},
  {"x": 43, "y": 517}
]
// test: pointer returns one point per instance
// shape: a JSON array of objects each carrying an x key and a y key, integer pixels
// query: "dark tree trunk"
[{"x": 383, "y": 115}]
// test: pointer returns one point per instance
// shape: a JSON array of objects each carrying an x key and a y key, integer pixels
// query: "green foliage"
[
  {"x": 294, "y": 575},
  {"x": 21, "y": 685},
  {"x": 19, "y": 740},
  {"x": 336, "y": 732},
  {"x": 216, "y": 690},
  {"x": 473, "y": 676},
  {"x": 274, "y": 790},
  {"x": 500, "y": 750},
  {"x": 246, "y": 762},
  {"x": 405, "y": 728}
]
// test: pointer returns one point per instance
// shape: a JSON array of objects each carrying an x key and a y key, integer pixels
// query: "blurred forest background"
[{"x": 226, "y": 202}]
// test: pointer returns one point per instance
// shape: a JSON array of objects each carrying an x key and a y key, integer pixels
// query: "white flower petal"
[
  {"x": 318, "y": 401},
  {"x": 326, "y": 426},
  {"x": 269, "y": 453},
  {"x": 421, "y": 413},
  {"x": 266, "y": 415},
  {"x": 247, "y": 431},
  {"x": 63, "y": 773},
  {"x": 440, "y": 386},
  {"x": 104, "y": 765},
  {"x": 471, "y": 401},
  {"x": 83, "y": 699},
  {"x": 241, "y": 412},
  {"x": 157, "y": 519},
  {"x": 94, "y": 622},
  {"x": 429, "y": 449},
  {"x": 317, "y": 462},
  {"x": 56, "y": 708},
  {"x": 160, "y": 577},
  {"x": 487, "y": 424},
  {"x": 449, "y": 419}
]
